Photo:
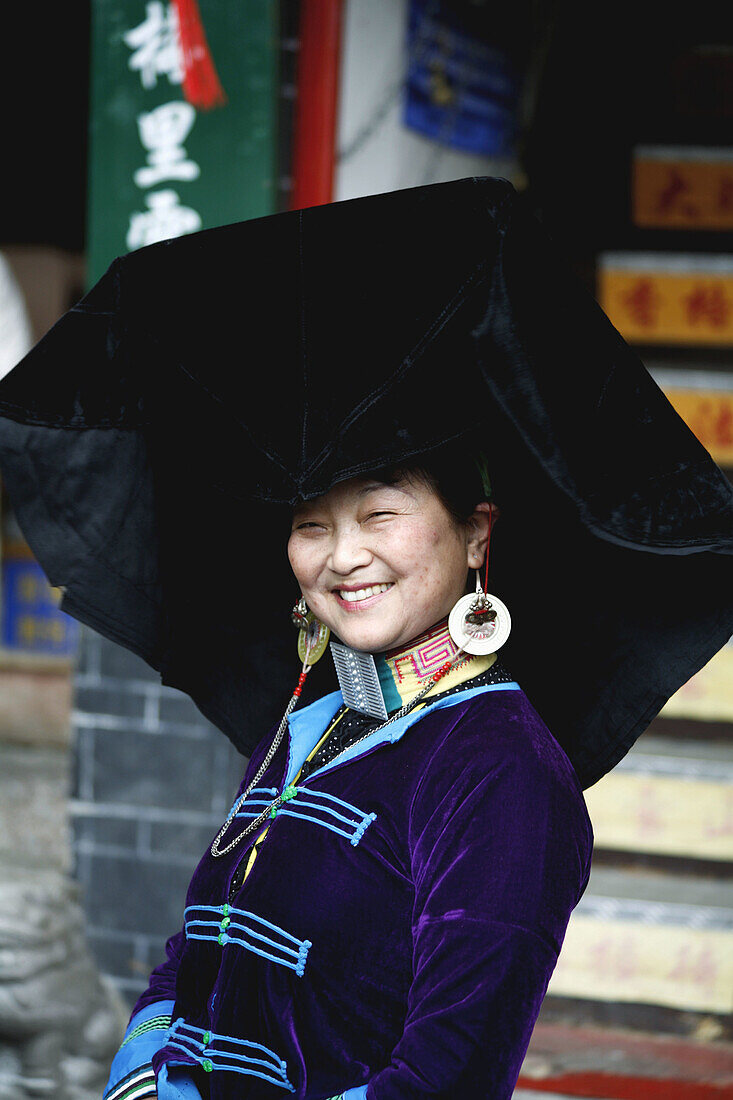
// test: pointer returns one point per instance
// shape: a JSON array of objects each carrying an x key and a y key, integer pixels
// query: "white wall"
[{"x": 376, "y": 153}]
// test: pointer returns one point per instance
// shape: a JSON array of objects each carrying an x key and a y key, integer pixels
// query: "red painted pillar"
[{"x": 316, "y": 108}]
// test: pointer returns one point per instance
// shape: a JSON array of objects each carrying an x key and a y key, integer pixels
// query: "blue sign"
[
  {"x": 31, "y": 619},
  {"x": 461, "y": 89}
]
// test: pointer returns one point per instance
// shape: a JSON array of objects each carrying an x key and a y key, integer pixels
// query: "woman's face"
[{"x": 379, "y": 564}]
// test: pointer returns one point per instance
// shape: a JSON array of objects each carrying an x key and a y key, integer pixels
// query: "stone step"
[
  {"x": 707, "y": 696},
  {"x": 650, "y": 938},
  {"x": 667, "y": 797}
]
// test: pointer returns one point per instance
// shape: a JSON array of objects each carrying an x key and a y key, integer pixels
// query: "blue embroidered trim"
[
  {"x": 358, "y": 821},
  {"x": 272, "y": 791},
  {"x": 311, "y": 721},
  {"x": 227, "y": 929},
  {"x": 213, "y": 1052},
  {"x": 155, "y": 1023},
  {"x": 135, "y": 1085},
  {"x": 144, "y": 1035}
]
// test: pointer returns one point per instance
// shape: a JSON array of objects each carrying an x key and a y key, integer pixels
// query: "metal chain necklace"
[
  {"x": 289, "y": 792},
  {"x": 479, "y": 624},
  {"x": 216, "y": 851}
]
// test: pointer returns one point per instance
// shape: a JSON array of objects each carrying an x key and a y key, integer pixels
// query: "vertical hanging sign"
[
  {"x": 182, "y": 120},
  {"x": 464, "y": 80}
]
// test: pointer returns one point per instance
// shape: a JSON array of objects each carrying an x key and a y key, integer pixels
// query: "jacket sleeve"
[
  {"x": 499, "y": 861},
  {"x": 131, "y": 1072},
  {"x": 162, "y": 980}
]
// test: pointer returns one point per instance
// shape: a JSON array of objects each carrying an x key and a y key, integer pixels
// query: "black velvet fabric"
[{"x": 154, "y": 441}]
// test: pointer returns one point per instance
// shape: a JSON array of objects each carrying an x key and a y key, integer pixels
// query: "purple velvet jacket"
[{"x": 396, "y": 934}]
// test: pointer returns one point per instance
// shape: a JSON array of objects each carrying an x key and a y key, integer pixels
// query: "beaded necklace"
[{"x": 347, "y": 724}]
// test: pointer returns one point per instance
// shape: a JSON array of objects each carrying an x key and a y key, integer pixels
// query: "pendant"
[
  {"x": 358, "y": 680},
  {"x": 479, "y": 624},
  {"x": 312, "y": 639}
]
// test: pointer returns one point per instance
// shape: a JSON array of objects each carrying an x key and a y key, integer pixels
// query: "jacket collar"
[{"x": 307, "y": 726}]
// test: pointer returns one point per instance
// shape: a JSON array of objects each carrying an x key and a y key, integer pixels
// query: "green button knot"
[
  {"x": 225, "y": 922},
  {"x": 273, "y": 812},
  {"x": 289, "y": 792},
  {"x": 207, "y": 1038},
  {"x": 207, "y": 1064},
  {"x": 225, "y": 909}
]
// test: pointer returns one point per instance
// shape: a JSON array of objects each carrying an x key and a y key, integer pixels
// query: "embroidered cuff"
[
  {"x": 131, "y": 1073},
  {"x": 176, "y": 1083}
]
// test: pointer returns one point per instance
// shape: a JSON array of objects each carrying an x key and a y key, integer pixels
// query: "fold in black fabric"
[{"x": 153, "y": 443}]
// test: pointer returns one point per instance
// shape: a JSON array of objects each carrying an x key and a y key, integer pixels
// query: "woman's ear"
[{"x": 478, "y": 532}]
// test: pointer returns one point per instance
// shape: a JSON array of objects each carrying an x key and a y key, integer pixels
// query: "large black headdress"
[{"x": 153, "y": 443}]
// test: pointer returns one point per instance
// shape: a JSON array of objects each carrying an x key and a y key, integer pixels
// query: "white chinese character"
[
  {"x": 155, "y": 45},
  {"x": 163, "y": 131},
  {"x": 166, "y": 218}
]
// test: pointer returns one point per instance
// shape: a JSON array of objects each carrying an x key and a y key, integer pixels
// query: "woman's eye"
[
  {"x": 373, "y": 514},
  {"x": 309, "y": 523}
]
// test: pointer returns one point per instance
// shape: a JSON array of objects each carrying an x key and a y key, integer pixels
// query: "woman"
[
  {"x": 395, "y": 935},
  {"x": 403, "y": 949}
]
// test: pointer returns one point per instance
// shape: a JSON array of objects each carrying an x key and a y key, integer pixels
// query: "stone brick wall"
[
  {"x": 152, "y": 783},
  {"x": 60, "y": 1022}
]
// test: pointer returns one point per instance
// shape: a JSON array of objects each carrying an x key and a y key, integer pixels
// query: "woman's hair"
[{"x": 457, "y": 476}]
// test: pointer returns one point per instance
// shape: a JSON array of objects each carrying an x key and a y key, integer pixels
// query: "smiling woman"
[
  {"x": 452, "y": 839},
  {"x": 383, "y": 906},
  {"x": 380, "y": 562}
]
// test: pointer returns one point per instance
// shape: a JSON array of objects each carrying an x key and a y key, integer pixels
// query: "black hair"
[{"x": 457, "y": 476}]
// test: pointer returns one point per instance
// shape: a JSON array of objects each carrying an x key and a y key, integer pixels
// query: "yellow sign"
[
  {"x": 683, "y": 188},
  {"x": 655, "y": 298},
  {"x": 709, "y": 415},
  {"x": 666, "y": 814},
  {"x": 708, "y": 695},
  {"x": 636, "y": 961}
]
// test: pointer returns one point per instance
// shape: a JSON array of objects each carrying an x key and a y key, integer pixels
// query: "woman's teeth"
[{"x": 363, "y": 593}]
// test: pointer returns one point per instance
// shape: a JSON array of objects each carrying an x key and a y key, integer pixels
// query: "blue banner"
[{"x": 462, "y": 89}]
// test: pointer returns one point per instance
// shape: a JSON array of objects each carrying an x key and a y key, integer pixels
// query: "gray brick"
[
  {"x": 129, "y": 990},
  {"x": 116, "y": 956},
  {"x": 229, "y": 769},
  {"x": 135, "y": 895},
  {"x": 82, "y": 764},
  {"x": 117, "y": 661},
  {"x": 89, "y": 651},
  {"x": 152, "y": 770},
  {"x": 180, "y": 708},
  {"x": 106, "y": 831},
  {"x": 153, "y": 951},
  {"x": 188, "y": 839},
  {"x": 107, "y": 699}
]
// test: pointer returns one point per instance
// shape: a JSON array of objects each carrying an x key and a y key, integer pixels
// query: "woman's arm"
[
  {"x": 131, "y": 1074},
  {"x": 500, "y": 857},
  {"x": 162, "y": 980},
  {"x": 149, "y": 1023}
]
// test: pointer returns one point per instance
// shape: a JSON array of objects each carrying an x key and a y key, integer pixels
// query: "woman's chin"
[{"x": 367, "y": 639}]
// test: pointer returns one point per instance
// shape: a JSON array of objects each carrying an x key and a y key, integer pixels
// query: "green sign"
[{"x": 161, "y": 167}]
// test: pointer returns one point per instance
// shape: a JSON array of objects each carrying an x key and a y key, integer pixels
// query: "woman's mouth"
[{"x": 356, "y": 598}]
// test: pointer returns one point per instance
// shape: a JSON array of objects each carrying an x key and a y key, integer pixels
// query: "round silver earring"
[{"x": 479, "y": 624}]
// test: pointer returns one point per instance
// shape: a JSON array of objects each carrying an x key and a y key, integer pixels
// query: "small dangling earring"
[
  {"x": 480, "y": 624},
  {"x": 313, "y": 635},
  {"x": 312, "y": 641}
]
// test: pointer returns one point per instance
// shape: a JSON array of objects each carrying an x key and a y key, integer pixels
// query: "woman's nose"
[{"x": 348, "y": 552}]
